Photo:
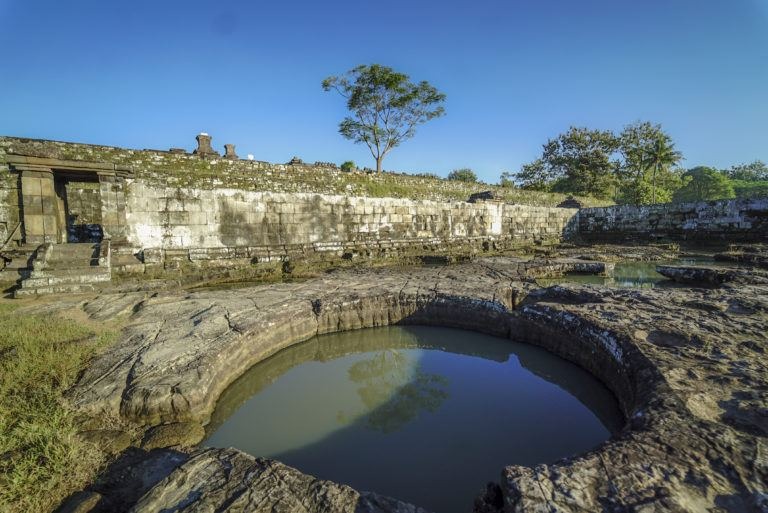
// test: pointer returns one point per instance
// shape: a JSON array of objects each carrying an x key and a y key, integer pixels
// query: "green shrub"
[
  {"x": 463, "y": 175},
  {"x": 349, "y": 165},
  {"x": 750, "y": 189}
]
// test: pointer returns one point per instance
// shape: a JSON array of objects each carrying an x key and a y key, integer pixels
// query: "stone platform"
[{"x": 688, "y": 366}]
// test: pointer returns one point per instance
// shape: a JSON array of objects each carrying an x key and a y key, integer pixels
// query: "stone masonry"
[{"x": 732, "y": 220}]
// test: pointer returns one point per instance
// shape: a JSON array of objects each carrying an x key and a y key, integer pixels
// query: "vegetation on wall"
[{"x": 386, "y": 107}]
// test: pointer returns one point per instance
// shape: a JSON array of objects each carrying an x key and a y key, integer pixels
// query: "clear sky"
[{"x": 152, "y": 74}]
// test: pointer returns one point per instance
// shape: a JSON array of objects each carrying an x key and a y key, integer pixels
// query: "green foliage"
[
  {"x": 648, "y": 155},
  {"x": 463, "y": 175},
  {"x": 348, "y": 165},
  {"x": 704, "y": 184},
  {"x": 42, "y": 459},
  {"x": 576, "y": 162},
  {"x": 750, "y": 189},
  {"x": 386, "y": 107},
  {"x": 640, "y": 190},
  {"x": 507, "y": 179},
  {"x": 634, "y": 167},
  {"x": 753, "y": 172}
]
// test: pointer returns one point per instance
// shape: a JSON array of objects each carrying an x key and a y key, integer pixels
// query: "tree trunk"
[
  {"x": 653, "y": 185},
  {"x": 378, "y": 164}
]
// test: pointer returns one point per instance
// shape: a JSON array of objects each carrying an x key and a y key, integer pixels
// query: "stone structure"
[
  {"x": 229, "y": 152},
  {"x": 204, "y": 148},
  {"x": 189, "y": 218},
  {"x": 146, "y": 203},
  {"x": 732, "y": 220},
  {"x": 686, "y": 365},
  {"x": 571, "y": 202},
  {"x": 61, "y": 200}
]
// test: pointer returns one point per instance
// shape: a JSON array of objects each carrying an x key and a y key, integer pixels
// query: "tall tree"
[
  {"x": 756, "y": 171},
  {"x": 648, "y": 156},
  {"x": 704, "y": 184},
  {"x": 386, "y": 107},
  {"x": 579, "y": 161},
  {"x": 661, "y": 158}
]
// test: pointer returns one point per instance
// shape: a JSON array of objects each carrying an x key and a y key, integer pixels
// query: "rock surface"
[
  {"x": 230, "y": 480},
  {"x": 699, "y": 275},
  {"x": 687, "y": 365}
]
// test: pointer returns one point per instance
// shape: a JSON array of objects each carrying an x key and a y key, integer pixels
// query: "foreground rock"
[
  {"x": 230, "y": 480},
  {"x": 687, "y": 365},
  {"x": 709, "y": 276}
]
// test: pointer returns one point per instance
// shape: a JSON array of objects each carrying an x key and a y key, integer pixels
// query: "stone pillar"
[
  {"x": 229, "y": 152},
  {"x": 204, "y": 148},
  {"x": 39, "y": 205},
  {"x": 113, "y": 222}
]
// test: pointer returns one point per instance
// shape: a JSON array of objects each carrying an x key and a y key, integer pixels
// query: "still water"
[
  {"x": 632, "y": 274},
  {"x": 427, "y": 415}
]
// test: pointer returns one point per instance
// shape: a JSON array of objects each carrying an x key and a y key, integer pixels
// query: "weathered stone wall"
[
  {"x": 174, "y": 217},
  {"x": 733, "y": 220},
  {"x": 183, "y": 169},
  {"x": 85, "y": 209},
  {"x": 9, "y": 199}
]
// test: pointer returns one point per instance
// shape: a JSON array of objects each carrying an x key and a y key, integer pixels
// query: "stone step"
[
  {"x": 79, "y": 288},
  {"x": 79, "y": 279}
]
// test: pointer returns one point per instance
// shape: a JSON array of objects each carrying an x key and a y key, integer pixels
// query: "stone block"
[
  {"x": 50, "y": 225},
  {"x": 30, "y": 186},
  {"x": 33, "y": 205},
  {"x": 49, "y": 205}
]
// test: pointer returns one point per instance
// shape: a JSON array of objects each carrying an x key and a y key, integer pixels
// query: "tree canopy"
[
  {"x": 704, "y": 184},
  {"x": 463, "y": 175},
  {"x": 385, "y": 107},
  {"x": 636, "y": 166},
  {"x": 754, "y": 172},
  {"x": 645, "y": 169},
  {"x": 578, "y": 161}
]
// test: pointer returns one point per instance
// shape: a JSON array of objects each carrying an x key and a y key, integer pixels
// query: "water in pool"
[
  {"x": 426, "y": 415},
  {"x": 632, "y": 274}
]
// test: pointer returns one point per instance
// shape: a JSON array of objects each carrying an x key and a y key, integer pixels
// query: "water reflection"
[
  {"x": 629, "y": 274},
  {"x": 427, "y": 415},
  {"x": 392, "y": 393}
]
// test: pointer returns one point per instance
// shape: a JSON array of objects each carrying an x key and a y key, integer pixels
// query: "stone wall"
[
  {"x": 84, "y": 208},
  {"x": 733, "y": 220},
  {"x": 184, "y": 169},
  {"x": 9, "y": 203},
  {"x": 174, "y": 218}
]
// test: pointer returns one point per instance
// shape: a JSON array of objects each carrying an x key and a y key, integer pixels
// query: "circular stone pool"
[{"x": 427, "y": 415}]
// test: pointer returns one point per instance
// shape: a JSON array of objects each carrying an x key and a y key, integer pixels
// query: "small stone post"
[
  {"x": 229, "y": 152},
  {"x": 204, "y": 147}
]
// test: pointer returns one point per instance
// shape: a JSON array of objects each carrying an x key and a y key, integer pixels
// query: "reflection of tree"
[{"x": 394, "y": 393}]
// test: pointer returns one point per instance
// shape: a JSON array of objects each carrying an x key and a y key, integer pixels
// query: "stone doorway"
[
  {"x": 70, "y": 200},
  {"x": 79, "y": 207}
]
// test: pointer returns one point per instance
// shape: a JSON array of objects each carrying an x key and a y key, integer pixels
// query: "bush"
[
  {"x": 704, "y": 184},
  {"x": 349, "y": 165},
  {"x": 750, "y": 189},
  {"x": 463, "y": 175}
]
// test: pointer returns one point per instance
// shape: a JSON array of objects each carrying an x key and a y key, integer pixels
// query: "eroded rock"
[{"x": 685, "y": 363}]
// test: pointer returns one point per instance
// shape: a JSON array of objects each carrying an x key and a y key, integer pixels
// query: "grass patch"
[{"x": 42, "y": 460}]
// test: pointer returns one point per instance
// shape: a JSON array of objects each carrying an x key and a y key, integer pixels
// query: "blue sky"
[{"x": 152, "y": 74}]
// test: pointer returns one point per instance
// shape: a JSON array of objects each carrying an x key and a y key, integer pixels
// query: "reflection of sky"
[
  {"x": 429, "y": 420},
  {"x": 314, "y": 399}
]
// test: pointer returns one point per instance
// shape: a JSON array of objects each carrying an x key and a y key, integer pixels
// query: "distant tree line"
[{"x": 640, "y": 165}]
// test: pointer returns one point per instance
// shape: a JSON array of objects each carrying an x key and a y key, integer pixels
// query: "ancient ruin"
[{"x": 127, "y": 234}]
